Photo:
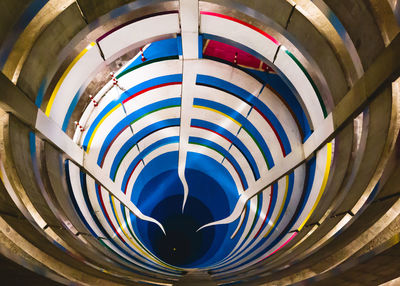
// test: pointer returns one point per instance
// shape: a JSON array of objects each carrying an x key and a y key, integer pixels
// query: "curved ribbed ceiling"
[
  {"x": 202, "y": 138},
  {"x": 203, "y": 135}
]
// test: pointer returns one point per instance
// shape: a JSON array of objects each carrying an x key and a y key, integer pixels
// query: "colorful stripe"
[
  {"x": 66, "y": 72},
  {"x": 242, "y": 23},
  {"x": 324, "y": 181}
]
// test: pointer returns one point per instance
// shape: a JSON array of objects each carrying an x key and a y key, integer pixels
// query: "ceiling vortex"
[
  {"x": 207, "y": 145},
  {"x": 188, "y": 136}
]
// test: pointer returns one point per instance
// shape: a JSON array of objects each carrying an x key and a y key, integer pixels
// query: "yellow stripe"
[
  {"x": 283, "y": 204},
  {"x": 217, "y": 111},
  {"x": 98, "y": 125},
  {"x": 324, "y": 181},
  {"x": 135, "y": 244},
  {"x": 205, "y": 46},
  {"x": 55, "y": 91},
  {"x": 120, "y": 226}
]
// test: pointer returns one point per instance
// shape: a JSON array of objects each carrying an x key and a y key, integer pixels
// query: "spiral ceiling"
[{"x": 241, "y": 142}]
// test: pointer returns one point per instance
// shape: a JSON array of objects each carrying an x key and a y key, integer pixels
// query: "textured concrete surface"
[{"x": 350, "y": 239}]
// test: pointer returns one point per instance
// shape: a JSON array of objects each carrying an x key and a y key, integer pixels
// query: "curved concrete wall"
[{"x": 286, "y": 111}]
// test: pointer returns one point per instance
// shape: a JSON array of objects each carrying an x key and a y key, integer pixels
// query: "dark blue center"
[
  {"x": 183, "y": 244},
  {"x": 158, "y": 192}
]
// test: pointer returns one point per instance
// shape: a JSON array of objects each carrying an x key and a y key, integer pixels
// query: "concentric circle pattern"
[
  {"x": 187, "y": 148},
  {"x": 204, "y": 137}
]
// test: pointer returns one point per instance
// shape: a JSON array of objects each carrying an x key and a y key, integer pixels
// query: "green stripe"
[
  {"x": 146, "y": 63},
  {"x": 321, "y": 102},
  {"x": 258, "y": 145},
  {"x": 255, "y": 217},
  {"x": 133, "y": 235},
  {"x": 204, "y": 145},
  {"x": 155, "y": 110}
]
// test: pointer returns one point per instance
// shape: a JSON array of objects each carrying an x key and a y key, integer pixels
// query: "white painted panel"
[
  {"x": 158, "y": 135},
  {"x": 139, "y": 31},
  {"x": 216, "y": 118},
  {"x": 115, "y": 147},
  {"x": 75, "y": 78},
  {"x": 75, "y": 181},
  {"x": 205, "y": 151},
  {"x": 234, "y": 175},
  {"x": 224, "y": 98},
  {"x": 239, "y": 33},
  {"x": 254, "y": 151},
  {"x": 316, "y": 187},
  {"x": 189, "y": 20},
  {"x": 149, "y": 72},
  {"x": 132, "y": 181},
  {"x": 301, "y": 83},
  {"x": 244, "y": 165},
  {"x": 160, "y": 151},
  {"x": 267, "y": 134},
  {"x": 132, "y": 154},
  {"x": 47, "y": 127},
  {"x": 211, "y": 136},
  {"x": 161, "y": 115},
  {"x": 103, "y": 130},
  {"x": 284, "y": 117},
  {"x": 229, "y": 74}
]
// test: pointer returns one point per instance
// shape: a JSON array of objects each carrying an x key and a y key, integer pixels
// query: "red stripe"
[
  {"x": 109, "y": 145},
  {"x": 212, "y": 132},
  {"x": 105, "y": 211},
  {"x": 266, "y": 215},
  {"x": 273, "y": 128},
  {"x": 243, "y": 23},
  {"x": 127, "y": 182},
  {"x": 150, "y": 88},
  {"x": 240, "y": 178},
  {"x": 224, "y": 157}
]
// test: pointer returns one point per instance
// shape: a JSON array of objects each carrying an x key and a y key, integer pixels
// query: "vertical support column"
[{"x": 189, "y": 20}]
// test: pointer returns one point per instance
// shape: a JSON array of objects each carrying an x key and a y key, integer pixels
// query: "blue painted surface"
[
  {"x": 71, "y": 108},
  {"x": 235, "y": 141},
  {"x": 223, "y": 152},
  {"x": 251, "y": 100},
  {"x": 274, "y": 80},
  {"x": 158, "y": 192},
  {"x": 242, "y": 120},
  {"x": 156, "y": 50},
  {"x": 137, "y": 88},
  {"x": 135, "y": 139},
  {"x": 144, "y": 153}
]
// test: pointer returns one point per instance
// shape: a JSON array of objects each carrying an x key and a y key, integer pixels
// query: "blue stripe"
[
  {"x": 159, "y": 49},
  {"x": 274, "y": 80},
  {"x": 242, "y": 120},
  {"x": 39, "y": 97},
  {"x": 73, "y": 199},
  {"x": 144, "y": 153},
  {"x": 132, "y": 117},
  {"x": 200, "y": 46},
  {"x": 249, "y": 99},
  {"x": 225, "y": 153},
  {"x": 254, "y": 248},
  {"x": 150, "y": 266},
  {"x": 125, "y": 95},
  {"x": 71, "y": 108},
  {"x": 131, "y": 142},
  {"x": 235, "y": 141},
  {"x": 306, "y": 193}
]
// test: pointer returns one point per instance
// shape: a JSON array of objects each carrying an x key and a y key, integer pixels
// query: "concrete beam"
[
  {"x": 17, "y": 103},
  {"x": 14, "y": 101}
]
